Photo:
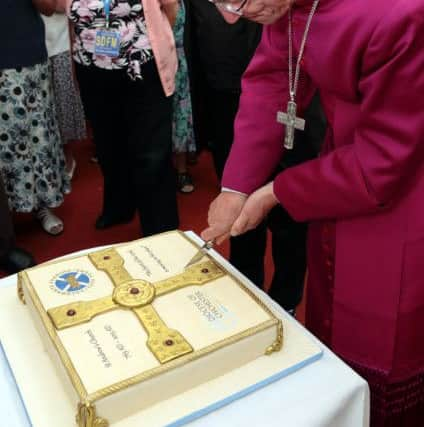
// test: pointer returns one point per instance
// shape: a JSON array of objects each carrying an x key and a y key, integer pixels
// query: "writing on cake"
[
  {"x": 213, "y": 310},
  {"x": 93, "y": 341}
]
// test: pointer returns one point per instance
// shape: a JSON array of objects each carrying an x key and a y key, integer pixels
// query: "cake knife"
[{"x": 203, "y": 250}]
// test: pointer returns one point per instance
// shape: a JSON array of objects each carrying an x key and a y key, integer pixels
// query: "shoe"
[
  {"x": 49, "y": 221},
  {"x": 185, "y": 183},
  {"x": 16, "y": 260},
  {"x": 106, "y": 221}
]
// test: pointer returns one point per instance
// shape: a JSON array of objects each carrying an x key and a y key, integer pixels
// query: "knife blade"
[{"x": 203, "y": 250}]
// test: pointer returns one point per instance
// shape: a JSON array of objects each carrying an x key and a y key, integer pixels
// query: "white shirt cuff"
[{"x": 229, "y": 190}]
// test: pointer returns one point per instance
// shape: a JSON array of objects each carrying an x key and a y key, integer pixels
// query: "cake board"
[{"x": 47, "y": 405}]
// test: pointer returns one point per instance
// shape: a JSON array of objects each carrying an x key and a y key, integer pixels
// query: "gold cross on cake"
[
  {"x": 136, "y": 295},
  {"x": 129, "y": 322}
]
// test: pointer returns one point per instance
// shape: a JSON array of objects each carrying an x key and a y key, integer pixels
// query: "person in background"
[
  {"x": 217, "y": 55},
  {"x": 126, "y": 86},
  {"x": 68, "y": 104},
  {"x": 12, "y": 258},
  {"x": 182, "y": 126},
  {"x": 32, "y": 162}
]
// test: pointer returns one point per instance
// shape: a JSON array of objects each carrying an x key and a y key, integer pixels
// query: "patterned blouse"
[{"x": 126, "y": 17}]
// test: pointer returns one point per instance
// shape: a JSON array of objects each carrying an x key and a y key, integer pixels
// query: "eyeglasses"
[{"x": 229, "y": 7}]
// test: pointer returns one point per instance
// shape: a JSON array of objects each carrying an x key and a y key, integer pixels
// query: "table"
[{"x": 326, "y": 393}]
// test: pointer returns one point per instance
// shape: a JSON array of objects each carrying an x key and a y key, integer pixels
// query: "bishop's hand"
[
  {"x": 223, "y": 212},
  {"x": 266, "y": 11},
  {"x": 255, "y": 209},
  {"x": 262, "y": 11}
]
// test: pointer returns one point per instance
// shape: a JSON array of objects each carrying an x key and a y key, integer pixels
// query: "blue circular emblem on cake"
[{"x": 72, "y": 281}]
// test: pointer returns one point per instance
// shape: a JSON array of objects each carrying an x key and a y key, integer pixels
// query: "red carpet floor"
[{"x": 83, "y": 205}]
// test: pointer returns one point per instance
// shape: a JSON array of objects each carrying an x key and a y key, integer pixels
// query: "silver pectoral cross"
[{"x": 292, "y": 122}]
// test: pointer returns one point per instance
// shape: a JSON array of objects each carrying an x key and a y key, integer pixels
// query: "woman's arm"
[{"x": 170, "y": 7}]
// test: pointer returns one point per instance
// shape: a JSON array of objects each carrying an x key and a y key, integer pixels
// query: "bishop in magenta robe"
[{"x": 364, "y": 195}]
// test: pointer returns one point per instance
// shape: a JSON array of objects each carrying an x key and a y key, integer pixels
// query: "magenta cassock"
[{"x": 364, "y": 195}]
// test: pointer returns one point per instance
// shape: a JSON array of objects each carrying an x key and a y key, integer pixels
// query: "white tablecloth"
[{"x": 326, "y": 393}]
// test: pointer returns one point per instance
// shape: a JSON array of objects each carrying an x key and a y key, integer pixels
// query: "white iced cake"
[{"x": 129, "y": 326}]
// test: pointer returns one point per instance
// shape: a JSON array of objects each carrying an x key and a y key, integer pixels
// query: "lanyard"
[{"x": 106, "y": 4}]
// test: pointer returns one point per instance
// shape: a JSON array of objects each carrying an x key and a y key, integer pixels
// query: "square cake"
[{"x": 129, "y": 326}]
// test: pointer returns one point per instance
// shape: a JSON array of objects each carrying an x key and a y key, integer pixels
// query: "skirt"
[
  {"x": 182, "y": 122},
  {"x": 69, "y": 108},
  {"x": 32, "y": 162}
]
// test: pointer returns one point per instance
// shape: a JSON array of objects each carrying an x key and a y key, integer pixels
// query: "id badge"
[{"x": 107, "y": 43}]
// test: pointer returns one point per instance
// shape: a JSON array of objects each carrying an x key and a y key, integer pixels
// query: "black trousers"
[
  {"x": 221, "y": 108},
  {"x": 7, "y": 237},
  {"x": 132, "y": 125},
  {"x": 288, "y": 243},
  {"x": 247, "y": 251}
]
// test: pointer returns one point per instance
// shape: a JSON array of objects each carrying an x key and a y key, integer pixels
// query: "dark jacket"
[
  {"x": 222, "y": 50},
  {"x": 21, "y": 34}
]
